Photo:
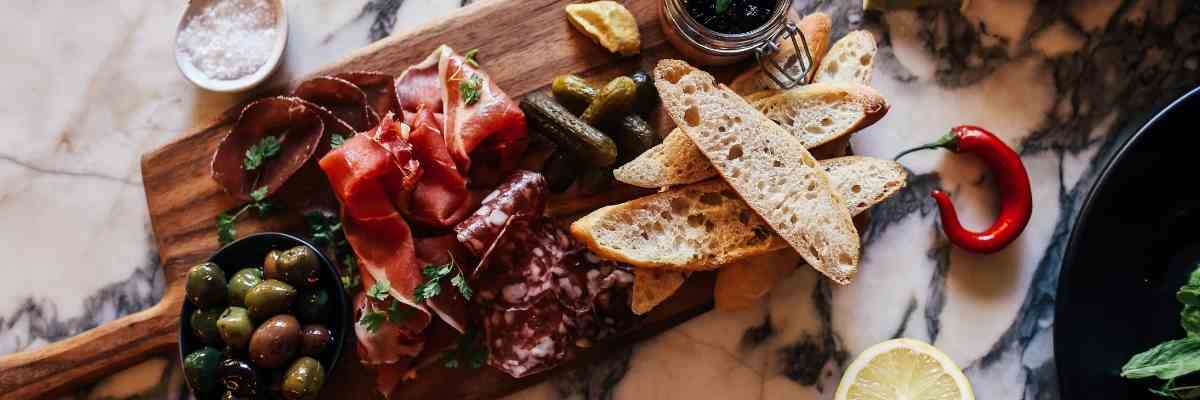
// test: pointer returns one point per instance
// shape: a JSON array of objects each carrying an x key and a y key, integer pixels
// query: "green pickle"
[
  {"x": 647, "y": 94},
  {"x": 568, "y": 131},
  {"x": 559, "y": 172},
  {"x": 573, "y": 92},
  {"x": 635, "y": 136},
  {"x": 614, "y": 101}
]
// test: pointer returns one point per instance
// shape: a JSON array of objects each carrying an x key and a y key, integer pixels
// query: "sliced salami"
[
  {"x": 522, "y": 195},
  {"x": 526, "y": 341}
]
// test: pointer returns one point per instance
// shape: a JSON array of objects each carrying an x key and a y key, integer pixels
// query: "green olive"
[
  {"x": 299, "y": 266},
  {"x": 275, "y": 341},
  {"x": 241, "y": 283},
  {"x": 269, "y": 298},
  {"x": 303, "y": 379},
  {"x": 206, "y": 285},
  {"x": 235, "y": 327},
  {"x": 204, "y": 325},
  {"x": 271, "y": 265},
  {"x": 200, "y": 367},
  {"x": 313, "y": 306}
]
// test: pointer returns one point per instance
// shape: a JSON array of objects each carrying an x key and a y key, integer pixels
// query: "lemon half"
[{"x": 903, "y": 369}]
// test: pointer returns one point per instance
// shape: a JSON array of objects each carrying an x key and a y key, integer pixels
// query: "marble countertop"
[{"x": 92, "y": 85}]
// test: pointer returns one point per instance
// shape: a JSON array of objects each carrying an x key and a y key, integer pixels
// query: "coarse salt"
[{"x": 230, "y": 39}]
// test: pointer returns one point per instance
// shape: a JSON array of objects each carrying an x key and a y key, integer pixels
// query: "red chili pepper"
[{"x": 1016, "y": 204}]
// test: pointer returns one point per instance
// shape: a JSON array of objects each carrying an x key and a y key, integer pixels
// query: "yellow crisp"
[{"x": 609, "y": 24}]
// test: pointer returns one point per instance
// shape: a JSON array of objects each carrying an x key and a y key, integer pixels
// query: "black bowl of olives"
[{"x": 264, "y": 317}]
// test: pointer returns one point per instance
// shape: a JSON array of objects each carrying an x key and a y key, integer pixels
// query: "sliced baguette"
[
  {"x": 817, "y": 114},
  {"x": 652, "y": 286},
  {"x": 704, "y": 225},
  {"x": 849, "y": 60},
  {"x": 815, "y": 27}
]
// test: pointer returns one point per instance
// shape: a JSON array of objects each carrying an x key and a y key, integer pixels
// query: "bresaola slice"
[
  {"x": 344, "y": 99},
  {"x": 381, "y": 94},
  {"x": 299, "y": 130}
]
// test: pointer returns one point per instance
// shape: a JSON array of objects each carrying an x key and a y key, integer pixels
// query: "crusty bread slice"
[
  {"x": 817, "y": 114},
  {"x": 849, "y": 60},
  {"x": 768, "y": 167},
  {"x": 815, "y": 27},
  {"x": 652, "y": 286},
  {"x": 704, "y": 225}
]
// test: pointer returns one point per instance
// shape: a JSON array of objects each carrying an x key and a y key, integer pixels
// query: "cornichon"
[
  {"x": 634, "y": 136},
  {"x": 614, "y": 101},
  {"x": 568, "y": 131},
  {"x": 559, "y": 172},
  {"x": 573, "y": 92},
  {"x": 594, "y": 180},
  {"x": 647, "y": 95}
]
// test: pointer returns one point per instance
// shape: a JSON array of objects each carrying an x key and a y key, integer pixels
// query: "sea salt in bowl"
[{"x": 230, "y": 45}]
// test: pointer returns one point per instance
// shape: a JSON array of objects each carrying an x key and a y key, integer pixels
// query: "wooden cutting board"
[{"x": 523, "y": 45}]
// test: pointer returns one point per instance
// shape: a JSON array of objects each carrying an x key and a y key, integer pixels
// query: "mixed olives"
[{"x": 262, "y": 328}]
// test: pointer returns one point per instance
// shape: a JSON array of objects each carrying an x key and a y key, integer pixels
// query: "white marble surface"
[{"x": 92, "y": 85}]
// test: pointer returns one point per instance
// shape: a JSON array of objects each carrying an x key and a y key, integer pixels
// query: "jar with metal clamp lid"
[{"x": 704, "y": 46}]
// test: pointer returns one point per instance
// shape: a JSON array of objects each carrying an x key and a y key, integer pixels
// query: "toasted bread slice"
[
  {"x": 652, "y": 286},
  {"x": 704, "y": 225},
  {"x": 817, "y": 114},
  {"x": 849, "y": 60},
  {"x": 815, "y": 27}
]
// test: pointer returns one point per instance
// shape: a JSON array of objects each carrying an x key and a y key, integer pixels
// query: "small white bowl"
[{"x": 198, "y": 78}]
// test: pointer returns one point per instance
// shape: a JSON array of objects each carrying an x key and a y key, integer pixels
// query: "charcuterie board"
[{"x": 523, "y": 44}]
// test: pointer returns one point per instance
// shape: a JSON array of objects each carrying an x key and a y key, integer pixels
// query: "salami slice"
[
  {"x": 522, "y": 195},
  {"x": 526, "y": 341},
  {"x": 524, "y": 264}
]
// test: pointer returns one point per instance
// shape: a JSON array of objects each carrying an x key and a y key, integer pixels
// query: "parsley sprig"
[
  {"x": 470, "y": 57},
  {"x": 227, "y": 222},
  {"x": 326, "y": 232},
  {"x": 396, "y": 312},
  {"x": 336, "y": 140},
  {"x": 259, "y": 152},
  {"x": 470, "y": 89},
  {"x": 468, "y": 351},
  {"x": 433, "y": 277}
]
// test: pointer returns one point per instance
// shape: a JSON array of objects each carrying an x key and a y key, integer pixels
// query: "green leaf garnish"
[
  {"x": 225, "y": 228},
  {"x": 468, "y": 350},
  {"x": 379, "y": 291},
  {"x": 722, "y": 6},
  {"x": 226, "y": 222},
  {"x": 470, "y": 89},
  {"x": 371, "y": 320},
  {"x": 433, "y": 276},
  {"x": 460, "y": 282},
  {"x": 470, "y": 57},
  {"x": 336, "y": 141},
  {"x": 398, "y": 313},
  {"x": 266, "y": 148}
]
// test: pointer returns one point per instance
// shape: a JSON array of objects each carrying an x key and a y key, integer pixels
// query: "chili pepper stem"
[{"x": 948, "y": 141}]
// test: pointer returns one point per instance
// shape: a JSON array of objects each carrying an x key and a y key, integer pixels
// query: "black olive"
[
  {"x": 238, "y": 377},
  {"x": 314, "y": 339}
]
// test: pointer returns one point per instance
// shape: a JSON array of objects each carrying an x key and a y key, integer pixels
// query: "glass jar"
[{"x": 708, "y": 47}]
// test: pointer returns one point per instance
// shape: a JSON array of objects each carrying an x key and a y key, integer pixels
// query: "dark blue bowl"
[{"x": 250, "y": 251}]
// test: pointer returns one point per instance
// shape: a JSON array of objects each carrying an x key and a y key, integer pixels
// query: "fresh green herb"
[
  {"x": 336, "y": 141},
  {"x": 372, "y": 319},
  {"x": 468, "y": 351},
  {"x": 266, "y": 148},
  {"x": 470, "y": 89},
  {"x": 326, "y": 232},
  {"x": 398, "y": 313},
  {"x": 1175, "y": 358},
  {"x": 433, "y": 276},
  {"x": 226, "y": 222},
  {"x": 722, "y": 6},
  {"x": 350, "y": 279},
  {"x": 470, "y": 57},
  {"x": 460, "y": 282},
  {"x": 379, "y": 291}
]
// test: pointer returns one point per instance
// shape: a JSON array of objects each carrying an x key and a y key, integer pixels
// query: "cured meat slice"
[
  {"x": 384, "y": 247},
  {"x": 356, "y": 173},
  {"x": 478, "y": 111},
  {"x": 379, "y": 88},
  {"x": 333, "y": 126},
  {"x": 344, "y": 99},
  {"x": 298, "y": 129},
  {"x": 390, "y": 343},
  {"x": 441, "y": 198},
  {"x": 449, "y": 304},
  {"x": 420, "y": 86},
  {"x": 523, "y": 266},
  {"x": 393, "y": 137},
  {"x": 522, "y": 195},
  {"x": 523, "y": 342}
]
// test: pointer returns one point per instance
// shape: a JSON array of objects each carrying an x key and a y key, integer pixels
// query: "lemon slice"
[{"x": 903, "y": 369}]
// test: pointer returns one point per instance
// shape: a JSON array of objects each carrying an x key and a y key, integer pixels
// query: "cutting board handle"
[{"x": 57, "y": 367}]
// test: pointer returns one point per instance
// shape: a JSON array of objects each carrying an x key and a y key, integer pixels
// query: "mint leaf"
[{"x": 1167, "y": 360}]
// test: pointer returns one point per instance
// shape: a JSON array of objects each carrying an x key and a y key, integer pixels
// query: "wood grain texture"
[{"x": 523, "y": 45}]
